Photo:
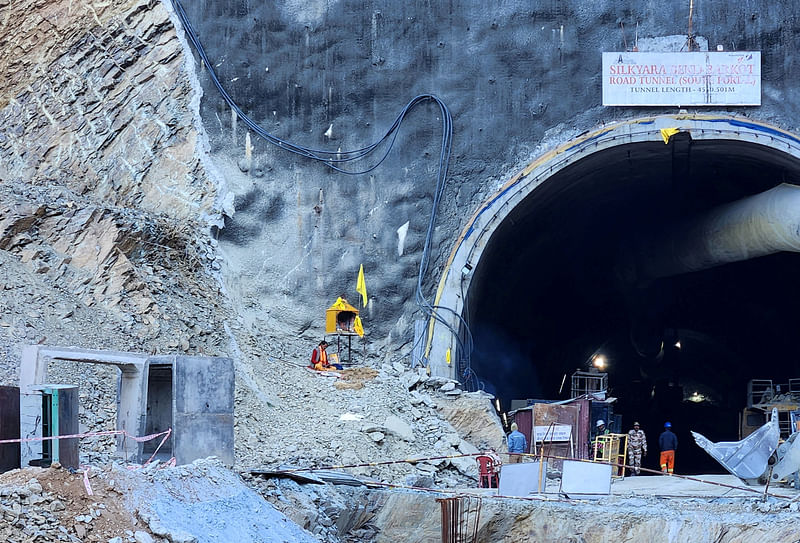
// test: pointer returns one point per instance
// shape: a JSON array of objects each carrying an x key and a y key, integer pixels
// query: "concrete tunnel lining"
[
  {"x": 570, "y": 184},
  {"x": 476, "y": 235}
]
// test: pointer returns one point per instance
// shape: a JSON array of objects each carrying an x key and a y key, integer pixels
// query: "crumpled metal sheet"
[{"x": 746, "y": 459}]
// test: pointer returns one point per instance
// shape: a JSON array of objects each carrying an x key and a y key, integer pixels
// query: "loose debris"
[
  {"x": 353, "y": 378},
  {"x": 39, "y": 504},
  {"x": 198, "y": 503}
]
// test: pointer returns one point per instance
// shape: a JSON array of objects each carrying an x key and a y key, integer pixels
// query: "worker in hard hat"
[
  {"x": 668, "y": 443},
  {"x": 637, "y": 448},
  {"x": 597, "y": 444},
  {"x": 517, "y": 445}
]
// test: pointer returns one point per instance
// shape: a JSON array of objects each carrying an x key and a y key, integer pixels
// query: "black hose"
[{"x": 334, "y": 160}]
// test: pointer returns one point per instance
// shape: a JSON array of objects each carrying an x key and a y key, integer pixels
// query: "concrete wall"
[
  {"x": 203, "y": 414},
  {"x": 519, "y": 78},
  {"x": 198, "y": 392}
]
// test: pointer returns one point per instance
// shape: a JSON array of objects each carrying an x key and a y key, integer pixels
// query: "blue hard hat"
[{"x": 667, "y": 425}]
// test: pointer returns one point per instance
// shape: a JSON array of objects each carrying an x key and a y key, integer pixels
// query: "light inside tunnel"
[
  {"x": 599, "y": 362},
  {"x": 552, "y": 285}
]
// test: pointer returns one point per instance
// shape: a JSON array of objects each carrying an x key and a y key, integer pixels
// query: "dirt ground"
[{"x": 99, "y": 516}]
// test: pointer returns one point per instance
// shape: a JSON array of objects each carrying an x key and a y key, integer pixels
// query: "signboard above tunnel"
[{"x": 682, "y": 79}]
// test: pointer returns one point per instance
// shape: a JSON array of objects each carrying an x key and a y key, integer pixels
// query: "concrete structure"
[
  {"x": 191, "y": 395},
  {"x": 200, "y": 402},
  {"x": 522, "y": 479}
]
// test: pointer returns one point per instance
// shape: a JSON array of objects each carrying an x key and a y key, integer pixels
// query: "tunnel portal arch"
[{"x": 765, "y": 143}]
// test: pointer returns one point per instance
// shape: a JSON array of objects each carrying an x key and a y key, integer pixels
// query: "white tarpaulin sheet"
[{"x": 682, "y": 79}]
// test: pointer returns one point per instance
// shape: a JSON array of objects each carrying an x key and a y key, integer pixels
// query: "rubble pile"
[
  {"x": 333, "y": 514},
  {"x": 197, "y": 503},
  {"x": 203, "y": 502},
  {"x": 28, "y": 513},
  {"x": 322, "y": 425},
  {"x": 54, "y": 505}
]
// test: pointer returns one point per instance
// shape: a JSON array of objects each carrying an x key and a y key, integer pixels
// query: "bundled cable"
[{"x": 336, "y": 160}]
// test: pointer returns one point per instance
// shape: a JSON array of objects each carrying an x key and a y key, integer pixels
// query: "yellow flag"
[
  {"x": 667, "y": 133},
  {"x": 358, "y": 327},
  {"x": 447, "y": 356},
  {"x": 361, "y": 286}
]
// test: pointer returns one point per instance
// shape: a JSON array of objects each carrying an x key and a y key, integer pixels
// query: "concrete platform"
[
  {"x": 669, "y": 487},
  {"x": 657, "y": 485}
]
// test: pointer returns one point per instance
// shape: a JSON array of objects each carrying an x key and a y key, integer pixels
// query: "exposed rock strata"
[
  {"x": 99, "y": 106},
  {"x": 104, "y": 196}
]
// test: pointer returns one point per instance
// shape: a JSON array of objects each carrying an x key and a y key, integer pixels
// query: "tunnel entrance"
[{"x": 551, "y": 288}]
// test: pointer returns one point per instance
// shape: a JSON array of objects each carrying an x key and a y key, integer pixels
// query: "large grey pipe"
[{"x": 755, "y": 226}]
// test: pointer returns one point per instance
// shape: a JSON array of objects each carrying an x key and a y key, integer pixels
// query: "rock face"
[
  {"x": 105, "y": 197},
  {"x": 100, "y": 106},
  {"x": 104, "y": 190},
  {"x": 518, "y": 80},
  {"x": 473, "y": 416}
]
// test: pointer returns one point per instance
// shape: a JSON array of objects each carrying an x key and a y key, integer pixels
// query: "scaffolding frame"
[
  {"x": 612, "y": 449},
  {"x": 759, "y": 391},
  {"x": 589, "y": 382}
]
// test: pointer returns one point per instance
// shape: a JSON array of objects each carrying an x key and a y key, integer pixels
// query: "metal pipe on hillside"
[{"x": 755, "y": 226}]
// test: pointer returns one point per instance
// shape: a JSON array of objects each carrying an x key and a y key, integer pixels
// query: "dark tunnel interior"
[{"x": 547, "y": 295}]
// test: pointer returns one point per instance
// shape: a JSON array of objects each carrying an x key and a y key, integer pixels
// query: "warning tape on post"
[{"x": 105, "y": 433}]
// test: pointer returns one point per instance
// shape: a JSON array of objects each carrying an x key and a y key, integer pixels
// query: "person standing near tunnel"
[
  {"x": 637, "y": 447},
  {"x": 597, "y": 444},
  {"x": 668, "y": 443},
  {"x": 517, "y": 445}
]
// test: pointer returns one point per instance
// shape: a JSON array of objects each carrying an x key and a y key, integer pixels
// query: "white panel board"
[
  {"x": 709, "y": 78},
  {"x": 585, "y": 478},
  {"x": 556, "y": 432},
  {"x": 521, "y": 479}
]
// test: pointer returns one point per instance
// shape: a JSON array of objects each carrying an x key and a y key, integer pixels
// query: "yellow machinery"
[
  {"x": 612, "y": 449},
  {"x": 762, "y": 397}
]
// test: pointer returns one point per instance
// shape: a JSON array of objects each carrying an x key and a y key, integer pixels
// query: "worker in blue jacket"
[
  {"x": 517, "y": 445},
  {"x": 668, "y": 443}
]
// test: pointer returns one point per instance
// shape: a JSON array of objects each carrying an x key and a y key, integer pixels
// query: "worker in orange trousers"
[{"x": 668, "y": 443}]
